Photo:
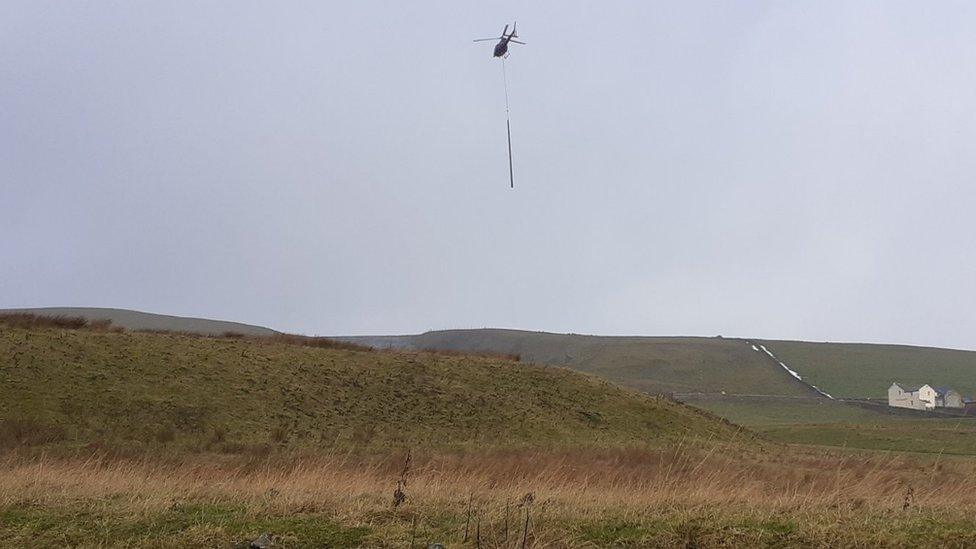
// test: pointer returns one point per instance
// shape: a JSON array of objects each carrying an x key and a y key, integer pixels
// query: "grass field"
[
  {"x": 581, "y": 498},
  {"x": 649, "y": 364},
  {"x": 759, "y": 413},
  {"x": 825, "y": 422},
  {"x": 935, "y": 436},
  {"x": 118, "y": 439},
  {"x": 866, "y": 371}
]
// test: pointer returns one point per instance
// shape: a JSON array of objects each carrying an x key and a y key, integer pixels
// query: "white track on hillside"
[{"x": 790, "y": 371}]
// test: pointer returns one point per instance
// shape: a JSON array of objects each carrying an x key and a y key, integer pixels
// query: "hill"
[
  {"x": 137, "y": 320},
  {"x": 648, "y": 364},
  {"x": 860, "y": 370},
  {"x": 574, "y": 478},
  {"x": 727, "y": 377},
  {"x": 146, "y": 389},
  {"x": 713, "y": 365}
]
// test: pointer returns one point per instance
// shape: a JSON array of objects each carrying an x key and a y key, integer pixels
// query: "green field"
[
  {"x": 933, "y": 436},
  {"x": 866, "y": 371},
  {"x": 761, "y": 413},
  {"x": 825, "y": 422}
]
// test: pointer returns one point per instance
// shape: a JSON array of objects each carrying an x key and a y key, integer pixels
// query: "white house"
[
  {"x": 925, "y": 397},
  {"x": 903, "y": 396},
  {"x": 928, "y": 395},
  {"x": 948, "y": 398}
]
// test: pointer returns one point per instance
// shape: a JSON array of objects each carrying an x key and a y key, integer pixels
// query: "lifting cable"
[{"x": 508, "y": 128}]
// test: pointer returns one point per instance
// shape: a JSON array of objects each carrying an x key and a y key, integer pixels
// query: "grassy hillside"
[
  {"x": 789, "y": 413},
  {"x": 144, "y": 389},
  {"x": 136, "y": 320},
  {"x": 576, "y": 477},
  {"x": 866, "y": 371},
  {"x": 712, "y": 365},
  {"x": 650, "y": 364}
]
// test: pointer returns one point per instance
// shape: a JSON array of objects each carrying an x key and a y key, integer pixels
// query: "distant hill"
[
  {"x": 649, "y": 364},
  {"x": 862, "y": 370},
  {"x": 134, "y": 389},
  {"x": 136, "y": 320},
  {"x": 713, "y": 365}
]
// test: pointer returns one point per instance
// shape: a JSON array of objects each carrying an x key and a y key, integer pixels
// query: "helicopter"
[{"x": 501, "y": 49}]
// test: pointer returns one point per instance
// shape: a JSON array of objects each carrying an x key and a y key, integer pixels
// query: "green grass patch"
[
  {"x": 105, "y": 524},
  {"x": 102, "y": 524},
  {"x": 766, "y": 412},
  {"x": 934, "y": 436}
]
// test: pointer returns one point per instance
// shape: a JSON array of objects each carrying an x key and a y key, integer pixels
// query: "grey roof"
[{"x": 939, "y": 391}]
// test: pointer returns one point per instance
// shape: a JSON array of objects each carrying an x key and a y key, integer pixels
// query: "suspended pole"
[{"x": 508, "y": 128}]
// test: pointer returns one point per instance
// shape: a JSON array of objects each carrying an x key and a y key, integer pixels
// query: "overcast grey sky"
[{"x": 776, "y": 169}]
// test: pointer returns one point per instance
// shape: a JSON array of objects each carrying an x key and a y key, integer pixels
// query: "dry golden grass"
[{"x": 628, "y": 497}]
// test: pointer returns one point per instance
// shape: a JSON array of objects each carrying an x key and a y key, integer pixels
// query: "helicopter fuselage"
[{"x": 501, "y": 48}]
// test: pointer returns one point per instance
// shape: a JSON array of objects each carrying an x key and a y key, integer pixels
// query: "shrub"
[
  {"x": 309, "y": 341},
  {"x": 165, "y": 435},
  {"x": 29, "y": 320},
  {"x": 219, "y": 435},
  {"x": 100, "y": 325},
  {"x": 279, "y": 434},
  {"x": 483, "y": 354},
  {"x": 28, "y": 432}
]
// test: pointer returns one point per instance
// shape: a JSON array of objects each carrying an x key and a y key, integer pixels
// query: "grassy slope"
[
  {"x": 135, "y": 386},
  {"x": 651, "y": 364},
  {"x": 712, "y": 364},
  {"x": 137, "y": 320},
  {"x": 866, "y": 371},
  {"x": 150, "y": 389},
  {"x": 694, "y": 364}
]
